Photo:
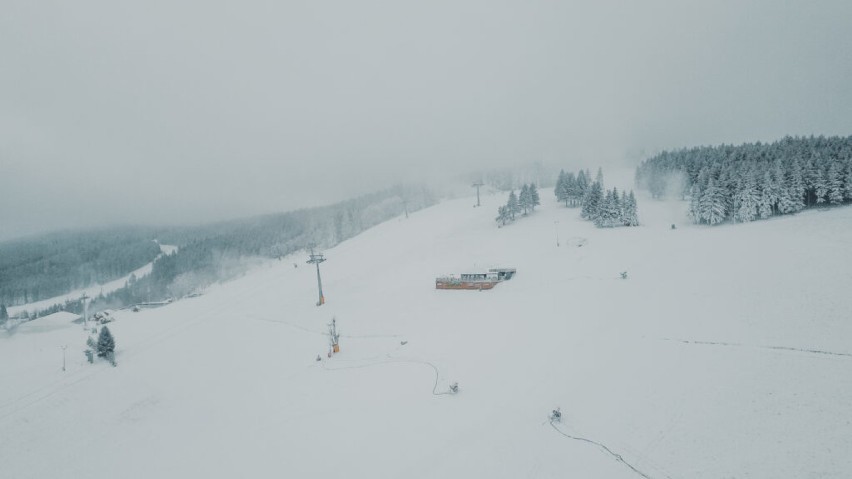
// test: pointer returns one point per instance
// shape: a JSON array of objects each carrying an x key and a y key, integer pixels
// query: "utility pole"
[
  {"x": 84, "y": 298},
  {"x": 556, "y": 222},
  {"x": 317, "y": 259},
  {"x": 63, "y": 356},
  {"x": 477, "y": 185}
]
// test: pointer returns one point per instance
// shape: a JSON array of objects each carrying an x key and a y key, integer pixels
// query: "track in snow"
[
  {"x": 604, "y": 448},
  {"x": 777, "y": 348},
  {"x": 390, "y": 360}
]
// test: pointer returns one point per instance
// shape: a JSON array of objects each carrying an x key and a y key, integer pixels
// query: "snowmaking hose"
[
  {"x": 391, "y": 360},
  {"x": 609, "y": 451}
]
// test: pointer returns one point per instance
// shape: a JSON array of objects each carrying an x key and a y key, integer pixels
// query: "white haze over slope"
[{"x": 724, "y": 354}]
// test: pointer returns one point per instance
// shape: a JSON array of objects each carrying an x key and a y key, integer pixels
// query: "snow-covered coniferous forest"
[{"x": 753, "y": 181}]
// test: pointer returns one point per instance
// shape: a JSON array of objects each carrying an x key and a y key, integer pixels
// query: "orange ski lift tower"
[
  {"x": 317, "y": 259},
  {"x": 334, "y": 336}
]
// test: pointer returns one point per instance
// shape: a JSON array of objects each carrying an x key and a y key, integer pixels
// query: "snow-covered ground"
[
  {"x": 93, "y": 290},
  {"x": 725, "y": 353}
]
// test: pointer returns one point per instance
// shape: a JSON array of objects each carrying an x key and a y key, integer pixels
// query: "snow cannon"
[{"x": 556, "y": 415}]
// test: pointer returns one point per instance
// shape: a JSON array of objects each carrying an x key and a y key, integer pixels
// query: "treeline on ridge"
[
  {"x": 42, "y": 267},
  {"x": 755, "y": 180},
  {"x": 217, "y": 251}
]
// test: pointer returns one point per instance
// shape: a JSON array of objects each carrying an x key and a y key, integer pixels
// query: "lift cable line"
[{"x": 317, "y": 258}]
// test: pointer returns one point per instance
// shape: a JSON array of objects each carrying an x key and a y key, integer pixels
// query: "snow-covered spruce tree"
[
  {"x": 820, "y": 186},
  {"x": 575, "y": 190},
  {"x": 795, "y": 184},
  {"x": 4, "y": 315},
  {"x": 695, "y": 203},
  {"x": 106, "y": 343},
  {"x": 512, "y": 205},
  {"x": 712, "y": 204},
  {"x": 524, "y": 199},
  {"x": 582, "y": 185},
  {"x": 847, "y": 190},
  {"x": 592, "y": 201},
  {"x": 560, "y": 191},
  {"x": 603, "y": 218},
  {"x": 599, "y": 177},
  {"x": 631, "y": 211},
  {"x": 502, "y": 215},
  {"x": 767, "y": 194},
  {"x": 535, "y": 200},
  {"x": 612, "y": 209},
  {"x": 834, "y": 181},
  {"x": 566, "y": 191},
  {"x": 747, "y": 200}
]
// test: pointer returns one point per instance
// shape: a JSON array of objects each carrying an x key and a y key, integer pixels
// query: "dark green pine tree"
[
  {"x": 106, "y": 343},
  {"x": 4, "y": 315}
]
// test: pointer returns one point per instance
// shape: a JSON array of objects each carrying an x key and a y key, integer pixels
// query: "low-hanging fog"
[{"x": 165, "y": 112}]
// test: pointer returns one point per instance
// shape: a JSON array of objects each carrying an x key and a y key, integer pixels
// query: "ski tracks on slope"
[{"x": 776, "y": 348}]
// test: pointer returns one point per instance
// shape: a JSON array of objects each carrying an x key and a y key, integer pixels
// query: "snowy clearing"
[{"x": 722, "y": 355}]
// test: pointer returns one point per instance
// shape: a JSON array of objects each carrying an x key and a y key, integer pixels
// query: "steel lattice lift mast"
[
  {"x": 477, "y": 185},
  {"x": 317, "y": 258}
]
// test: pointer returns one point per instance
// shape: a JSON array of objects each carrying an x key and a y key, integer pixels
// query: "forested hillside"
[
  {"x": 216, "y": 251},
  {"x": 42, "y": 267},
  {"x": 754, "y": 180}
]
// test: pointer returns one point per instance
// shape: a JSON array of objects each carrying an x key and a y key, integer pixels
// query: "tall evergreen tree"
[
  {"x": 512, "y": 205},
  {"x": 767, "y": 196},
  {"x": 524, "y": 199},
  {"x": 599, "y": 177},
  {"x": 631, "y": 213},
  {"x": 747, "y": 200},
  {"x": 592, "y": 202},
  {"x": 821, "y": 187},
  {"x": 561, "y": 189},
  {"x": 106, "y": 343},
  {"x": 712, "y": 204},
  {"x": 502, "y": 215},
  {"x": 535, "y": 200},
  {"x": 609, "y": 215},
  {"x": 834, "y": 181},
  {"x": 583, "y": 184},
  {"x": 795, "y": 184},
  {"x": 847, "y": 190},
  {"x": 4, "y": 315},
  {"x": 695, "y": 203}
]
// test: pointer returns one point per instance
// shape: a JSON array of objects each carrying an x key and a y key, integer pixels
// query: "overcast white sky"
[{"x": 170, "y": 111}]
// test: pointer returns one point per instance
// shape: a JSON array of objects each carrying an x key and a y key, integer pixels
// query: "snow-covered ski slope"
[{"x": 725, "y": 353}]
